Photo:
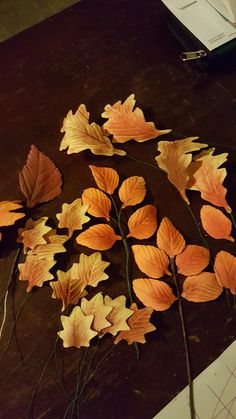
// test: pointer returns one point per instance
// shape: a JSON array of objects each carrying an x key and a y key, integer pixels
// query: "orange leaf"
[
  {"x": 54, "y": 244},
  {"x": 132, "y": 191},
  {"x": 201, "y": 288},
  {"x": 7, "y": 217},
  {"x": 192, "y": 260},
  {"x": 33, "y": 233},
  {"x": 151, "y": 261},
  {"x": 35, "y": 271},
  {"x": 76, "y": 329},
  {"x": 225, "y": 270},
  {"x": 169, "y": 238},
  {"x": 99, "y": 205},
  {"x": 118, "y": 316},
  {"x": 80, "y": 135},
  {"x": 98, "y": 237},
  {"x": 154, "y": 294},
  {"x": 215, "y": 223},
  {"x": 139, "y": 325},
  {"x": 142, "y": 223},
  {"x": 91, "y": 269},
  {"x": 207, "y": 178},
  {"x": 100, "y": 311},
  {"x": 106, "y": 178},
  {"x": 73, "y": 216},
  {"x": 40, "y": 180},
  {"x": 126, "y": 124},
  {"x": 174, "y": 159}
]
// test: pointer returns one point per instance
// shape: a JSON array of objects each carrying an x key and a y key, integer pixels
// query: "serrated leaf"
[
  {"x": 36, "y": 271},
  {"x": 33, "y": 233},
  {"x": 99, "y": 310},
  {"x": 118, "y": 316},
  {"x": 91, "y": 269},
  {"x": 73, "y": 216}
]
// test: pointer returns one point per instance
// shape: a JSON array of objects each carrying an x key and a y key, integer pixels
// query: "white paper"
[{"x": 214, "y": 392}]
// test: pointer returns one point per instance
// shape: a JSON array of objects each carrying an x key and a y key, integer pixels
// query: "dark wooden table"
[{"x": 98, "y": 52}]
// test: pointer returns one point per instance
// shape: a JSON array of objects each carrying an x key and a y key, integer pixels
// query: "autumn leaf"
[
  {"x": 73, "y": 216},
  {"x": 33, "y": 233},
  {"x": 126, "y": 123},
  {"x": 118, "y": 316},
  {"x": 98, "y": 237},
  {"x": 76, "y": 329},
  {"x": 54, "y": 244},
  {"x": 99, "y": 205},
  {"x": 151, "y": 261},
  {"x": 100, "y": 311},
  {"x": 169, "y": 238},
  {"x": 174, "y": 159},
  {"x": 40, "y": 180},
  {"x": 35, "y": 271},
  {"x": 7, "y": 217},
  {"x": 206, "y": 177},
  {"x": 201, "y": 288},
  {"x": 154, "y": 293},
  {"x": 225, "y": 270},
  {"x": 143, "y": 223},
  {"x": 192, "y": 260},
  {"x": 106, "y": 178},
  {"x": 80, "y": 135},
  {"x": 139, "y": 325},
  {"x": 91, "y": 269},
  {"x": 215, "y": 223},
  {"x": 132, "y": 191}
]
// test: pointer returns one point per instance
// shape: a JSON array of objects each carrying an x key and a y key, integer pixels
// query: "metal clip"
[{"x": 192, "y": 55}]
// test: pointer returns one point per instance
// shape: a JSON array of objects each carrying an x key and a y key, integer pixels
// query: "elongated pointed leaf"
[
  {"x": 169, "y": 238},
  {"x": 99, "y": 205},
  {"x": 143, "y": 223},
  {"x": 151, "y": 261},
  {"x": 132, "y": 191},
  {"x": 154, "y": 294},
  {"x": 106, "y": 178},
  {"x": 98, "y": 237},
  {"x": 215, "y": 223}
]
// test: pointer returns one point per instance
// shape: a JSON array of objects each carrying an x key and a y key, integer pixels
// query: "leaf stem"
[
  {"x": 232, "y": 219},
  {"x": 204, "y": 241},
  {"x": 186, "y": 348},
  {"x": 142, "y": 162}
]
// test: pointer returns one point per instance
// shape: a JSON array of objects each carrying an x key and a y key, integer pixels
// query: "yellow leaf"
[
  {"x": 215, "y": 223},
  {"x": 73, "y": 216},
  {"x": 154, "y": 293},
  {"x": 143, "y": 223},
  {"x": 225, "y": 270},
  {"x": 99, "y": 310},
  {"x": 33, "y": 233},
  {"x": 91, "y": 269},
  {"x": 99, "y": 205},
  {"x": 192, "y": 260},
  {"x": 132, "y": 191},
  {"x": 35, "y": 271},
  {"x": 106, "y": 178},
  {"x": 7, "y": 217},
  {"x": 118, "y": 316},
  {"x": 98, "y": 237},
  {"x": 151, "y": 261},
  {"x": 201, "y": 288},
  {"x": 169, "y": 238},
  {"x": 54, "y": 244}
]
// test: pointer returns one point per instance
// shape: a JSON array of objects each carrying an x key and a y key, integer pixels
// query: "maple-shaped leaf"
[
  {"x": 154, "y": 293},
  {"x": 169, "y": 238},
  {"x": 106, "y": 178},
  {"x": 7, "y": 217},
  {"x": 36, "y": 271},
  {"x": 206, "y": 177},
  {"x": 40, "y": 180},
  {"x": 76, "y": 329},
  {"x": 98, "y": 237},
  {"x": 201, "y": 288},
  {"x": 192, "y": 260},
  {"x": 33, "y": 233},
  {"x": 139, "y": 325},
  {"x": 174, "y": 159},
  {"x": 225, "y": 270},
  {"x": 73, "y": 216},
  {"x": 118, "y": 316},
  {"x": 91, "y": 269},
  {"x": 80, "y": 135},
  {"x": 99, "y": 205},
  {"x": 143, "y": 223},
  {"x": 215, "y": 223},
  {"x": 150, "y": 260},
  {"x": 126, "y": 123},
  {"x": 132, "y": 191},
  {"x": 100, "y": 311},
  {"x": 54, "y": 244}
]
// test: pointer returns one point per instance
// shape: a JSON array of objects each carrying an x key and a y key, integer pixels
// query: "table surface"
[{"x": 98, "y": 52}]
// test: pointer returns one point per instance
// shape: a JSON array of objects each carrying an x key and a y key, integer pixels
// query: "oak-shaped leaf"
[
  {"x": 73, "y": 216},
  {"x": 225, "y": 270},
  {"x": 192, "y": 260},
  {"x": 91, "y": 269},
  {"x": 118, "y": 316},
  {"x": 33, "y": 233},
  {"x": 99, "y": 205},
  {"x": 98, "y": 237},
  {"x": 7, "y": 217},
  {"x": 154, "y": 293},
  {"x": 54, "y": 244},
  {"x": 201, "y": 288},
  {"x": 36, "y": 271},
  {"x": 99, "y": 310},
  {"x": 215, "y": 223},
  {"x": 76, "y": 329},
  {"x": 143, "y": 223},
  {"x": 169, "y": 238},
  {"x": 132, "y": 191},
  {"x": 106, "y": 178},
  {"x": 174, "y": 159},
  {"x": 150, "y": 260},
  {"x": 139, "y": 325},
  {"x": 40, "y": 180}
]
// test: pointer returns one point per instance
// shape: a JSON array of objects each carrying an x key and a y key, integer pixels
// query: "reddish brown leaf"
[
  {"x": 143, "y": 223},
  {"x": 192, "y": 260},
  {"x": 99, "y": 205},
  {"x": 215, "y": 223},
  {"x": 201, "y": 288},
  {"x": 98, "y": 237},
  {"x": 151, "y": 261},
  {"x": 225, "y": 270},
  {"x": 169, "y": 238},
  {"x": 154, "y": 293},
  {"x": 106, "y": 178}
]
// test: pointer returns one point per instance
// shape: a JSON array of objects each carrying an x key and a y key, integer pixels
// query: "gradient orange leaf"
[
  {"x": 174, "y": 159},
  {"x": 201, "y": 288},
  {"x": 73, "y": 216},
  {"x": 215, "y": 223},
  {"x": 106, "y": 178},
  {"x": 126, "y": 123},
  {"x": 54, "y": 244},
  {"x": 151, "y": 261},
  {"x": 100, "y": 311},
  {"x": 225, "y": 270},
  {"x": 33, "y": 233},
  {"x": 139, "y": 325},
  {"x": 169, "y": 238},
  {"x": 143, "y": 223},
  {"x": 98, "y": 237},
  {"x": 76, "y": 329},
  {"x": 35, "y": 271},
  {"x": 192, "y": 260},
  {"x": 132, "y": 191},
  {"x": 40, "y": 180},
  {"x": 118, "y": 316},
  {"x": 91, "y": 269},
  {"x": 7, "y": 217},
  {"x": 80, "y": 135},
  {"x": 99, "y": 205},
  {"x": 154, "y": 293}
]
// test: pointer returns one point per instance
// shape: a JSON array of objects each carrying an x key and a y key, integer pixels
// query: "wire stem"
[
  {"x": 204, "y": 241},
  {"x": 146, "y": 163},
  {"x": 232, "y": 219}
]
